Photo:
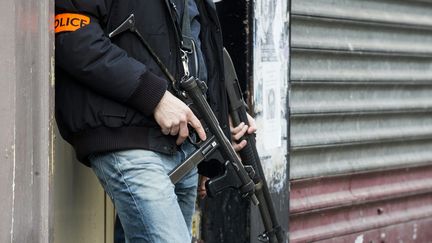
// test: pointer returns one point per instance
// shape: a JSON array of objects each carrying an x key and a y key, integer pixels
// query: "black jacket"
[{"x": 107, "y": 89}]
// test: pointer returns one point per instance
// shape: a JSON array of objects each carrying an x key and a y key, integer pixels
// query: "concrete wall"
[
  {"x": 82, "y": 211},
  {"x": 26, "y": 103}
]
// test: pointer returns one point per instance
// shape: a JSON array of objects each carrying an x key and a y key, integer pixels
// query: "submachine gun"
[{"x": 246, "y": 175}]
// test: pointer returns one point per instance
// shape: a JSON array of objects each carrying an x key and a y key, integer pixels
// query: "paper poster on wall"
[
  {"x": 271, "y": 105},
  {"x": 271, "y": 46}
]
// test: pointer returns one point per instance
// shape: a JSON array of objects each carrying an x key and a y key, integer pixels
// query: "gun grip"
[{"x": 227, "y": 180}]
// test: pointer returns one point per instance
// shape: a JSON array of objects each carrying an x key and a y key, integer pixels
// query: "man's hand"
[
  {"x": 173, "y": 116},
  {"x": 202, "y": 191},
  {"x": 240, "y": 130}
]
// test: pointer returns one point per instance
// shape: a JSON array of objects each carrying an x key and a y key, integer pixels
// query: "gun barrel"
[{"x": 249, "y": 154}]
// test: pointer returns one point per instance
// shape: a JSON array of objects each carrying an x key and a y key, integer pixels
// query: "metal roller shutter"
[{"x": 360, "y": 102}]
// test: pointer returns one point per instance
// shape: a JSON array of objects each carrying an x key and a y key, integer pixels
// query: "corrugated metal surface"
[
  {"x": 339, "y": 207},
  {"x": 361, "y": 75},
  {"x": 360, "y": 100}
]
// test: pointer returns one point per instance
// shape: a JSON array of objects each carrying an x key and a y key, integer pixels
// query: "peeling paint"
[
  {"x": 359, "y": 239},
  {"x": 52, "y": 74},
  {"x": 350, "y": 47},
  {"x": 415, "y": 232},
  {"x": 13, "y": 185},
  {"x": 6, "y": 155},
  {"x": 52, "y": 123},
  {"x": 275, "y": 168},
  {"x": 52, "y": 144}
]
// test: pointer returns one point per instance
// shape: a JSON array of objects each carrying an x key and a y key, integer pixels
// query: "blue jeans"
[{"x": 150, "y": 207}]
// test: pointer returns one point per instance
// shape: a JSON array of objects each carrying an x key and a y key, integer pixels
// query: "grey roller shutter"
[{"x": 360, "y": 86}]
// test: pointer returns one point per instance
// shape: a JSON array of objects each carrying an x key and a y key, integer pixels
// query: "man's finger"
[
  {"x": 202, "y": 192},
  {"x": 237, "y": 129},
  {"x": 251, "y": 130},
  {"x": 240, "y": 134},
  {"x": 239, "y": 146},
  {"x": 174, "y": 130},
  {"x": 196, "y": 124},
  {"x": 165, "y": 131},
  {"x": 252, "y": 124},
  {"x": 183, "y": 133}
]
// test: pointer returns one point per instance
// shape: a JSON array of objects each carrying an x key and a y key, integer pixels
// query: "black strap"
[
  {"x": 173, "y": 15},
  {"x": 184, "y": 33},
  {"x": 159, "y": 62},
  {"x": 187, "y": 43}
]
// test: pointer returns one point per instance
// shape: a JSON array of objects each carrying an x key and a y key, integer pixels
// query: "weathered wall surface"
[{"x": 26, "y": 104}]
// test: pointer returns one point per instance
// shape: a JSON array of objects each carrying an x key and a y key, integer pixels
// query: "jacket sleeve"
[{"x": 89, "y": 56}]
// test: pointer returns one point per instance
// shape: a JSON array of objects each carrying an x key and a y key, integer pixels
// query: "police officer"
[{"x": 115, "y": 106}]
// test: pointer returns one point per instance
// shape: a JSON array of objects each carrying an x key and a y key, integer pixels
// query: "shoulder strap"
[{"x": 186, "y": 28}]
